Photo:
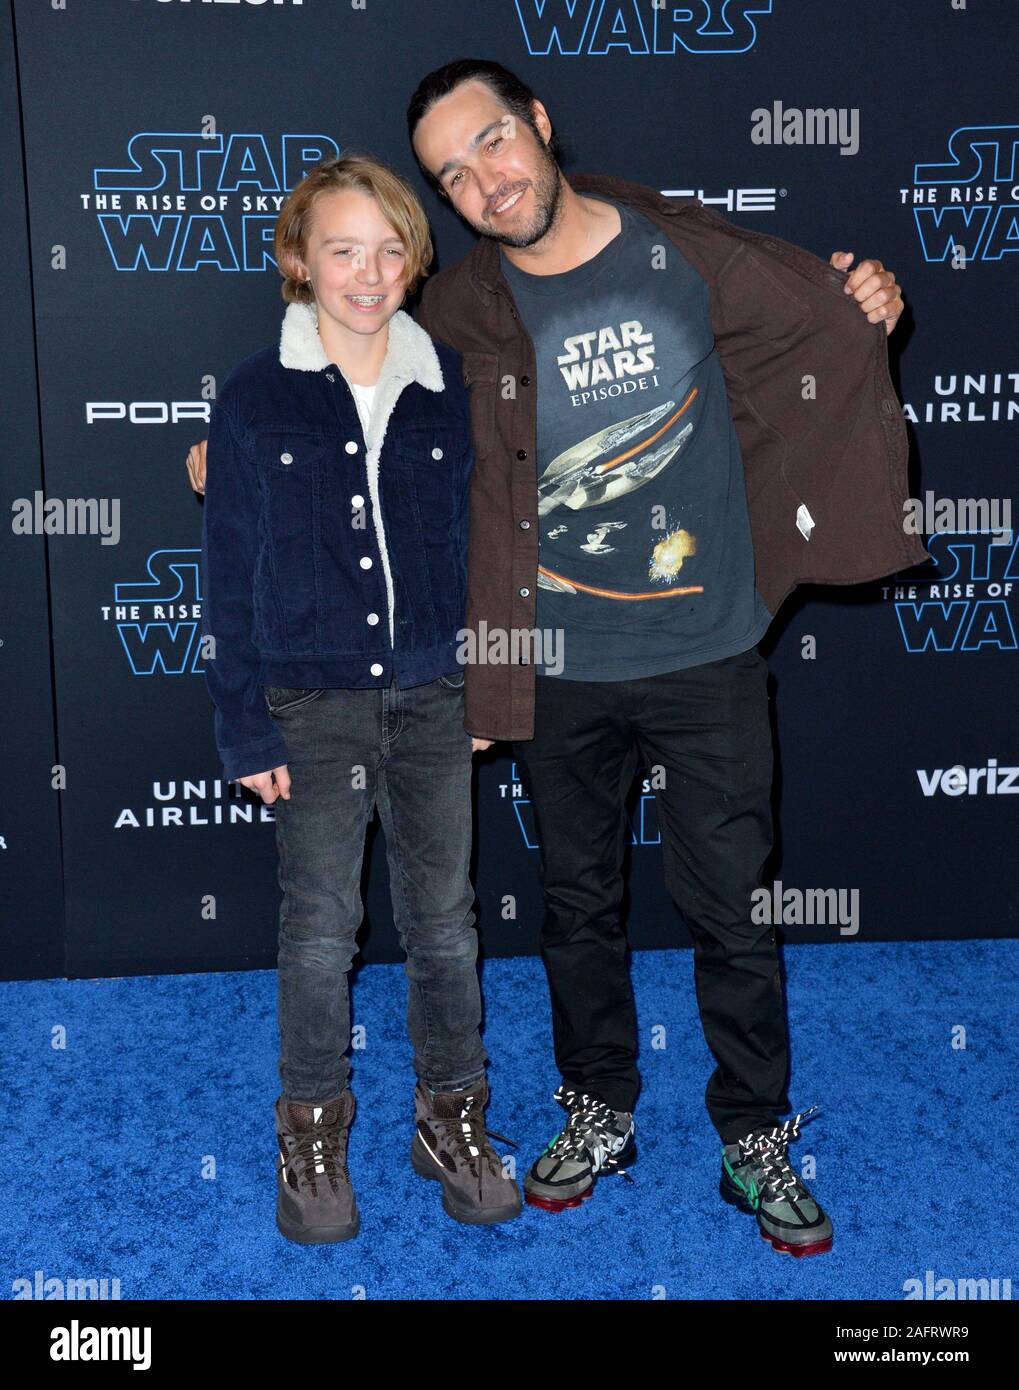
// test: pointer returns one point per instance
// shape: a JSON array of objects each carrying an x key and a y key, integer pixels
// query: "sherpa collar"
[{"x": 410, "y": 353}]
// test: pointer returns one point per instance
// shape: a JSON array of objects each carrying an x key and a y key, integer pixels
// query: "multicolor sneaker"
[
  {"x": 757, "y": 1178},
  {"x": 452, "y": 1145},
  {"x": 596, "y": 1142}
]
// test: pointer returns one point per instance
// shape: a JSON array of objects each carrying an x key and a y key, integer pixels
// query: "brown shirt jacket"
[{"x": 815, "y": 411}]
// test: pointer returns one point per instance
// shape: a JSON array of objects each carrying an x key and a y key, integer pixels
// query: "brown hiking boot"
[
  {"x": 314, "y": 1198},
  {"x": 452, "y": 1145}
]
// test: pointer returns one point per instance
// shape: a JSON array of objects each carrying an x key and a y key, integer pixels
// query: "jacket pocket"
[
  {"x": 429, "y": 460},
  {"x": 427, "y": 466},
  {"x": 481, "y": 377},
  {"x": 291, "y": 469}
]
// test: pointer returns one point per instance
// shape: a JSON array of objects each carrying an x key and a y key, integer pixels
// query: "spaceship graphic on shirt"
[
  {"x": 608, "y": 465},
  {"x": 595, "y": 544}
]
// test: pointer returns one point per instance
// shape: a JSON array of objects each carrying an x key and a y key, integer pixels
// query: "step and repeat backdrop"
[{"x": 147, "y": 147}]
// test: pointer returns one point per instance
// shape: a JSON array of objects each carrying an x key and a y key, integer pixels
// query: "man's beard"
[{"x": 547, "y": 209}]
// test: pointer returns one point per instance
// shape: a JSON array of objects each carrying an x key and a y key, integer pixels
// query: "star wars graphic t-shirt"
[{"x": 646, "y": 560}]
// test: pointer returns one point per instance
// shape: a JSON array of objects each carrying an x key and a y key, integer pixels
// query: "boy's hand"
[{"x": 262, "y": 782}]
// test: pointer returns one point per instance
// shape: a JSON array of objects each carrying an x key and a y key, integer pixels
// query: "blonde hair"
[{"x": 397, "y": 202}]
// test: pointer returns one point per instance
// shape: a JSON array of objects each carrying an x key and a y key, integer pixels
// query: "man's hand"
[
  {"x": 263, "y": 782},
  {"x": 196, "y": 469},
  {"x": 478, "y": 745},
  {"x": 873, "y": 288}
]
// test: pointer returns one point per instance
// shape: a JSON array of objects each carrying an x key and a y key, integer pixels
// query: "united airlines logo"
[
  {"x": 967, "y": 208},
  {"x": 968, "y": 608},
  {"x": 199, "y": 200},
  {"x": 159, "y": 619},
  {"x": 643, "y": 823},
  {"x": 593, "y": 28}
]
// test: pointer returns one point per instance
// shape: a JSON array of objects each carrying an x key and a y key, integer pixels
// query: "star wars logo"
[
  {"x": 159, "y": 619},
  {"x": 606, "y": 354},
  {"x": 968, "y": 608},
  {"x": 189, "y": 201},
  {"x": 591, "y": 27},
  {"x": 967, "y": 209}
]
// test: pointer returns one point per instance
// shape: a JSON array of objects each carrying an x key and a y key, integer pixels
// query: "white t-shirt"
[{"x": 363, "y": 398}]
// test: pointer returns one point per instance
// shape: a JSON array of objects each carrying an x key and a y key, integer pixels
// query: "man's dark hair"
[{"x": 514, "y": 94}]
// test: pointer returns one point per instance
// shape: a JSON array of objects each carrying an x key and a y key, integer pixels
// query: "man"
[{"x": 628, "y": 357}]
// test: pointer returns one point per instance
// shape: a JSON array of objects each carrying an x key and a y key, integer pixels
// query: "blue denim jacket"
[{"x": 330, "y": 559}]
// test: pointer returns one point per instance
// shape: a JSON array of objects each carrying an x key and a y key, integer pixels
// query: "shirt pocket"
[
  {"x": 762, "y": 302},
  {"x": 481, "y": 377}
]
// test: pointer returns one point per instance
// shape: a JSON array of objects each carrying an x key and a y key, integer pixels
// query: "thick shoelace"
[
  {"x": 589, "y": 1118},
  {"x": 769, "y": 1148},
  {"x": 318, "y": 1154},
  {"x": 470, "y": 1136}
]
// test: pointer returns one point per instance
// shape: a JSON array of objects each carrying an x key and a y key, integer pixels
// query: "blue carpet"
[{"x": 105, "y": 1139}]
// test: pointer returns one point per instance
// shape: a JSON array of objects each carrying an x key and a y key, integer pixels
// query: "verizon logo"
[{"x": 991, "y": 780}]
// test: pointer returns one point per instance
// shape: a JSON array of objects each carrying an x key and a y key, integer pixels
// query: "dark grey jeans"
[{"x": 407, "y": 752}]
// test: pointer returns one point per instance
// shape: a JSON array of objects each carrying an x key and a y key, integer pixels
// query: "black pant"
[
  {"x": 405, "y": 751},
  {"x": 707, "y": 728}
]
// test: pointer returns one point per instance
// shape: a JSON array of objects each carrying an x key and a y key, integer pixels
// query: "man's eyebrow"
[{"x": 452, "y": 163}]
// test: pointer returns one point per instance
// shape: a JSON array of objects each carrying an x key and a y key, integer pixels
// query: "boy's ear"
[{"x": 292, "y": 266}]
